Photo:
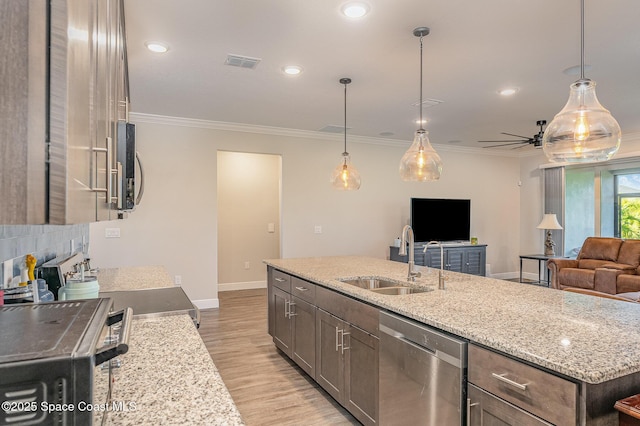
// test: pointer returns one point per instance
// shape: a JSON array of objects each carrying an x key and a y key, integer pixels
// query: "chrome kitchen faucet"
[
  {"x": 407, "y": 232},
  {"x": 441, "y": 273}
]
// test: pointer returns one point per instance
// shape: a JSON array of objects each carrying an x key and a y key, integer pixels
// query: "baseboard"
[
  {"x": 513, "y": 275},
  {"x": 206, "y": 303},
  {"x": 249, "y": 285}
]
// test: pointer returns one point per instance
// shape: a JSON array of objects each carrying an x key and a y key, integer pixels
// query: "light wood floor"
[{"x": 267, "y": 387}]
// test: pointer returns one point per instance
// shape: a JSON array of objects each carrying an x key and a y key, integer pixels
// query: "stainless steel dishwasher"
[{"x": 423, "y": 374}]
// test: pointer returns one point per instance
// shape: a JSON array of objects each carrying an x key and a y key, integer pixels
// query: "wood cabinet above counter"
[{"x": 63, "y": 91}]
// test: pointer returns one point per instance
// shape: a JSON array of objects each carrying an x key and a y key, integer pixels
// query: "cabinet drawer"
[
  {"x": 352, "y": 311},
  {"x": 543, "y": 394},
  {"x": 281, "y": 280},
  {"x": 303, "y": 289}
]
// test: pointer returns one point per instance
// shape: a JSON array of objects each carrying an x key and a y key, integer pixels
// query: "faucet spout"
[
  {"x": 441, "y": 273},
  {"x": 407, "y": 234}
]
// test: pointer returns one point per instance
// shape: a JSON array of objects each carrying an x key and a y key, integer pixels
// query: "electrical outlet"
[
  {"x": 246, "y": 265},
  {"x": 112, "y": 233},
  {"x": 317, "y": 229},
  {"x": 177, "y": 280}
]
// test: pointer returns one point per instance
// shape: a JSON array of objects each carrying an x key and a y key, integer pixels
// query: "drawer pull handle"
[
  {"x": 302, "y": 289},
  {"x": 502, "y": 378},
  {"x": 280, "y": 280}
]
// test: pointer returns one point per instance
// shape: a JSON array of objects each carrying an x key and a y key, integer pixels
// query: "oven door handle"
[{"x": 122, "y": 345}]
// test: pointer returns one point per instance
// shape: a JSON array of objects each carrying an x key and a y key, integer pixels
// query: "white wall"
[{"x": 176, "y": 224}]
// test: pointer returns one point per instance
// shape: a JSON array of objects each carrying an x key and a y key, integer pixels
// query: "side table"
[{"x": 543, "y": 277}]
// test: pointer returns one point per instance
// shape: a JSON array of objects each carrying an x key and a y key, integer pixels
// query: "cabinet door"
[
  {"x": 432, "y": 258},
  {"x": 329, "y": 365},
  {"x": 475, "y": 261},
  {"x": 455, "y": 259},
  {"x": 281, "y": 320},
  {"x": 303, "y": 324},
  {"x": 361, "y": 375},
  {"x": 484, "y": 409}
]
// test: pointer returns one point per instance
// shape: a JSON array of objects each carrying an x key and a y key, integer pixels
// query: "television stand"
[{"x": 458, "y": 257}]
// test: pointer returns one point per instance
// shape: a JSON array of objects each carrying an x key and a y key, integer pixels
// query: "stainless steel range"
[{"x": 50, "y": 361}]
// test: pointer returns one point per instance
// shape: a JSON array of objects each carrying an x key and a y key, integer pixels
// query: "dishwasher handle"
[{"x": 397, "y": 335}]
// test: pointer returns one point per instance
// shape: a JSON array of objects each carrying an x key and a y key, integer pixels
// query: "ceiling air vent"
[
  {"x": 242, "y": 61},
  {"x": 330, "y": 128},
  {"x": 427, "y": 103}
]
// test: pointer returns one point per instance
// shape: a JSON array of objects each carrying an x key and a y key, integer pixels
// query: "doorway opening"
[{"x": 249, "y": 211}]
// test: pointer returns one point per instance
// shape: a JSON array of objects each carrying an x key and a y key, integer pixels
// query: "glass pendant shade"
[
  {"x": 421, "y": 163},
  {"x": 345, "y": 176},
  {"x": 584, "y": 131}
]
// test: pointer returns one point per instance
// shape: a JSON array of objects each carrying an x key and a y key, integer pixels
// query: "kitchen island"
[
  {"x": 590, "y": 341},
  {"x": 167, "y": 376}
]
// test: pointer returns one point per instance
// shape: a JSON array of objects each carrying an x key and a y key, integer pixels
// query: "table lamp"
[{"x": 549, "y": 222}]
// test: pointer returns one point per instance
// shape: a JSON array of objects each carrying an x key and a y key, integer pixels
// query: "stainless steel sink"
[{"x": 384, "y": 286}]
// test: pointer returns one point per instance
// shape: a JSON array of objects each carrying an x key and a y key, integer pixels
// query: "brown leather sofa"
[{"x": 606, "y": 265}]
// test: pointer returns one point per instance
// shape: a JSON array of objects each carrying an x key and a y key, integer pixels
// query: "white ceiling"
[{"x": 475, "y": 48}]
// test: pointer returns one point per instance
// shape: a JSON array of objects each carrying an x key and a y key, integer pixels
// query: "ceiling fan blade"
[
  {"x": 518, "y": 147},
  {"x": 506, "y": 144},
  {"x": 518, "y": 136}
]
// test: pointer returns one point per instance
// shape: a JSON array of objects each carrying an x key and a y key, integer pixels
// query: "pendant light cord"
[
  {"x": 421, "y": 122},
  {"x": 581, "y": 39},
  {"x": 345, "y": 119}
]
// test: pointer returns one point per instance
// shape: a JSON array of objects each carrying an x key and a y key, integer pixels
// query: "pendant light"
[
  {"x": 584, "y": 131},
  {"x": 345, "y": 176},
  {"x": 421, "y": 163}
]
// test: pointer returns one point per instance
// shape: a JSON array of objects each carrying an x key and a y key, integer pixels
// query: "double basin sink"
[{"x": 384, "y": 285}]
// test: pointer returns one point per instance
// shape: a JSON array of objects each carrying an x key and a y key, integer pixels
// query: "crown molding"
[{"x": 138, "y": 117}]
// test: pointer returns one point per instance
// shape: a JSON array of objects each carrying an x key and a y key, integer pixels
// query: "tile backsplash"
[{"x": 45, "y": 242}]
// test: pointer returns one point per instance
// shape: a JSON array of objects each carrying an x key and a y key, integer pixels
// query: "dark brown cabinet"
[
  {"x": 331, "y": 337},
  {"x": 292, "y": 320},
  {"x": 347, "y": 365},
  {"x": 65, "y": 88}
]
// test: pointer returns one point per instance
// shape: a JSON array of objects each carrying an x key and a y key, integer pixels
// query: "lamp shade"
[
  {"x": 421, "y": 163},
  {"x": 584, "y": 131},
  {"x": 345, "y": 176},
  {"x": 549, "y": 221}
]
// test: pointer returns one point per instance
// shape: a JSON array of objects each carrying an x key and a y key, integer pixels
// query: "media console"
[{"x": 465, "y": 258}]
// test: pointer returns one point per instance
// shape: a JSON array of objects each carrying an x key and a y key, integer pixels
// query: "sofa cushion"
[
  {"x": 630, "y": 253},
  {"x": 575, "y": 277},
  {"x": 596, "y": 263},
  {"x": 600, "y": 248},
  {"x": 628, "y": 283}
]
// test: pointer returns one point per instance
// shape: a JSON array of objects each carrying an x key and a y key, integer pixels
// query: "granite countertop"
[
  {"x": 167, "y": 375},
  {"x": 133, "y": 278},
  {"x": 589, "y": 338}
]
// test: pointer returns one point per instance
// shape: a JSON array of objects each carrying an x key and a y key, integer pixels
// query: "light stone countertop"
[
  {"x": 133, "y": 278},
  {"x": 167, "y": 373},
  {"x": 589, "y": 338}
]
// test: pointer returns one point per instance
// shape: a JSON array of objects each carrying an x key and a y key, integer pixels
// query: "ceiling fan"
[{"x": 536, "y": 140}]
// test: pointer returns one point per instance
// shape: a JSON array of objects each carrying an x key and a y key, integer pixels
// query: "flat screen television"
[{"x": 436, "y": 219}]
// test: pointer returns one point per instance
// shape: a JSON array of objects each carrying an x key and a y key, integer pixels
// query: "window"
[
  {"x": 595, "y": 200},
  {"x": 627, "y": 205}
]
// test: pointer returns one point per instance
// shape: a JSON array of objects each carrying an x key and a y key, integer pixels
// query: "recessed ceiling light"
[
  {"x": 156, "y": 46},
  {"x": 292, "y": 69},
  {"x": 355, "y": 9},
  {"x": 509, "y": 91}
]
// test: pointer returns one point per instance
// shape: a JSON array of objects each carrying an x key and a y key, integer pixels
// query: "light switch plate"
[
  {"x": 271, "y": 227},
  {"x": 317, "y": 229}
]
